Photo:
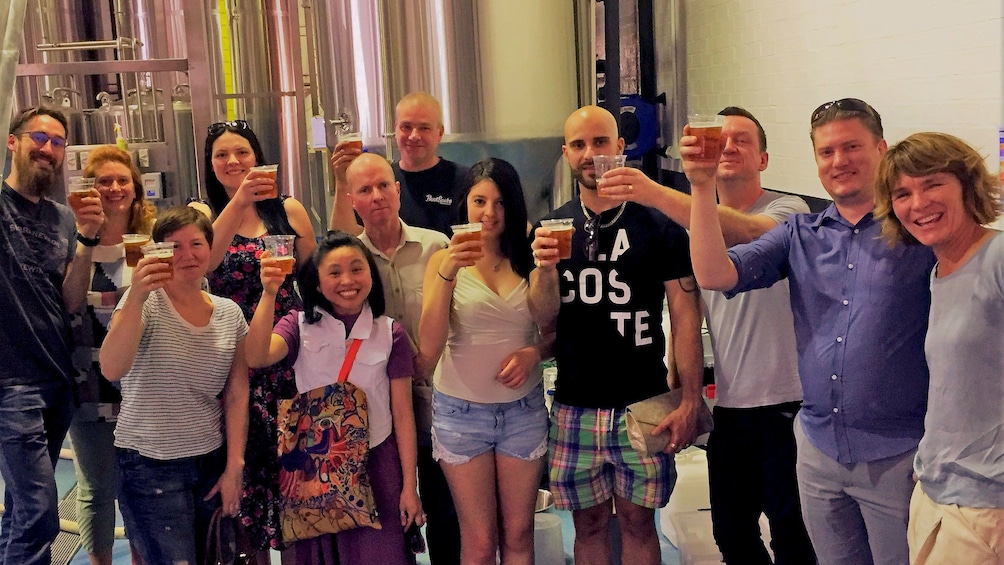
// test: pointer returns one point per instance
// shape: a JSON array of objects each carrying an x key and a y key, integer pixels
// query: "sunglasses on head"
[
  {"x": 40, "y": 138},
  {"x": 845, "y": 104},
  {"x": 219, "y": 127},
  {"x": 592, "y": 237}
]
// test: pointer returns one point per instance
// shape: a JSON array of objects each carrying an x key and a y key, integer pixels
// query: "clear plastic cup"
[
  {"x": 134, "y": 243},
  {"x": 281, "y": 248},
  {"x": 604, "y": 163},
  {"x": 271, "y": 171},
  {"x": 707, "y": 128},
  {"x": 467, "y": 232},
  {"x": 163, "y": 251},
  {"x": 353, "y": 139},
  {"x": 561, "y": 229},
  {"x": 80, "y": 188}
]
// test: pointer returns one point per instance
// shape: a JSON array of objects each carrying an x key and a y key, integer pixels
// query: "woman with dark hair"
[
  {"x": 93, "y": 427},
  {"x": 181, "y": 432},
  {"x": 244, "y": 214},
  {"x": 344, "y": 301},
  {"x": 934, "y": 189},
  {"x": 489, "y": 423}
]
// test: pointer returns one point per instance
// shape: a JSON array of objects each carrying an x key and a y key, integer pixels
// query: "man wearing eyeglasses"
[
  {"x": 607, "y": 299},
  {"x": 45, "y": 261},
  {"x": 860, "y": 315},
  {"x": 751, "y": 452}
]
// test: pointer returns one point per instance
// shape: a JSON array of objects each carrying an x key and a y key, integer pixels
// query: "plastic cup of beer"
[
  {"x": 707, "y": 128},
  {"x": 352, "y": 140},
  {"x": 134, "y": 243},
  {"x": 272, "y": 172},
  {"x": 163, "y": 251},
  {"x": 280, "y": 247},
  {"x": 81, "y": 188},
  {"x": 604, "y": 163},
  {"x": 468, "y": 232},
  {"x": 561, "y": 229}
]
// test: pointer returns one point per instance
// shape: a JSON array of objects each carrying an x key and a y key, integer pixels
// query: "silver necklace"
[{"x": 613, "y": 221}]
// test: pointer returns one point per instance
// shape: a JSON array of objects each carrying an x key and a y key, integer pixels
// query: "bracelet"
[
  {"x": 444, "y": 278},
  {"x": 88, "y": 241}
]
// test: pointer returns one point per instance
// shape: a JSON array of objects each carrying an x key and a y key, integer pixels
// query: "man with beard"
[
  {"x": 607, "y": 300},
  {"x": 45, "y": 261}
]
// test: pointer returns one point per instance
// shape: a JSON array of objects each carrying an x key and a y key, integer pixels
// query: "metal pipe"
[
  {"x": 120, "y": 43},
  {"x": 612, "y": 66}
]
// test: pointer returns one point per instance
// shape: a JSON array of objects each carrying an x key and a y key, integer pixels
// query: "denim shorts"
[{"x": 462, "y": 430}]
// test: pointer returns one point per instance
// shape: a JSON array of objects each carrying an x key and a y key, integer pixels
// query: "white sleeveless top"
[{"x": 484, "y": 329}]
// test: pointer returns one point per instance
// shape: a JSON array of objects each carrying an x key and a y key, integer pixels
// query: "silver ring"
[{"x": 673, "y": 445}]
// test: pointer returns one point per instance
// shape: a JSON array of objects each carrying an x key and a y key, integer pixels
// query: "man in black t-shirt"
[
  {"x": 608, "y": 302},
  {"x": 428, "y": 187},
  {"x": 429, "y": 183},
  {"x": 45, "y": 267}
]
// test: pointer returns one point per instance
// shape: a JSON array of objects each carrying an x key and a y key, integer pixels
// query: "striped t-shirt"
[{"x": 170, "y": 397}]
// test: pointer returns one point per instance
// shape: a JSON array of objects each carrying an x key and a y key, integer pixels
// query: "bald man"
[
  {"x": 608, "y": 300},
  {"x": 401, "y": 252}
]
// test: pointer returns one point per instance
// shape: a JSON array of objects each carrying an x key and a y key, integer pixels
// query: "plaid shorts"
[{"x": 591, "y": 459}]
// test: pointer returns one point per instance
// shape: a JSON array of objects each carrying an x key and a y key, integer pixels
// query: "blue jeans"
[
  {"x": 33, "y": 422},
  {"x": 162, "y": 503},
  {"x": 462, "y": 430}
]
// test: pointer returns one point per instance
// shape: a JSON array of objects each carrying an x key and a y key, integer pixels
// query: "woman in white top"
[
  {"x": 489, "y": 421},
  {"x": 178, "y": 350},
  {"x": 934, "y": 189}
]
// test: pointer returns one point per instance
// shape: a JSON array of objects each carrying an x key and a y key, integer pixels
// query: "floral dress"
[{"x": 237, "y": 278}]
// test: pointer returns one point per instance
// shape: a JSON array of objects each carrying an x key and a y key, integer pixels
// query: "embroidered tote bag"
[{"x": 323, "y": 449}]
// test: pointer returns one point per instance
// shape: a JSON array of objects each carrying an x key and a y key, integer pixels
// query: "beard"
[
  {"x": 34, "y": 179},
  {"x": 579, "y": 175}
]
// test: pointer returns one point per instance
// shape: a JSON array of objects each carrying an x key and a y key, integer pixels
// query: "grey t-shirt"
[
  {"x": 959, "y": 458},
  {"x": 37, "y": 242},
  {"x": 753, "y": 334}
]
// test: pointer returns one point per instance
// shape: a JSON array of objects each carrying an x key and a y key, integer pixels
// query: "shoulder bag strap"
[{"x": 350, "y": 357}]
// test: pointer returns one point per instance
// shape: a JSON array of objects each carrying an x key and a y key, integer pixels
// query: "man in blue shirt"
[
  {"x": 860, "y": 310},
  {"x": 45, "y": 268}
]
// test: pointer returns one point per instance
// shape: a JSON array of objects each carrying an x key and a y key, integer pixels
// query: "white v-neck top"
[{"x": 484, "y": 329}]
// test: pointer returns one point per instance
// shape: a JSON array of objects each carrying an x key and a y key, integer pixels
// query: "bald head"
[
  {"x": 589, "y": 131},
  {"x": 373, "y": 192},
  {"x": 594, "y": 116},
  {"x": 367, "y": 162}
]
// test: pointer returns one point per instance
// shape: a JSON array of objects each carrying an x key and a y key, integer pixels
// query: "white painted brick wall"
[{"x": 923, "y": 64}]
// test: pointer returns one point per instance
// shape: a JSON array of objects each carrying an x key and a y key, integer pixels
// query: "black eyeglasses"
[
  {"x": 219, "y": 127},
  {"x": 40, "y": 138},
  {"x": 592, "y": 237},
  {"x": 849, "y": 105}
]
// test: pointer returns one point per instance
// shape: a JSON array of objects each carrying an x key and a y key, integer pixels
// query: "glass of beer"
[
  {"x": 707, "y": 128},
  {"x": 163, "y": 251},
  {"x": 561, "y": 229},
  {"x": 352, "y": 139},
  {"x": 272, "y": 172},
  {"x": 134, "y": 243},
  {"x": 468, "y": 232},
  {"x": 81, "y": 188},
  {"x": 281, "y": 248}
]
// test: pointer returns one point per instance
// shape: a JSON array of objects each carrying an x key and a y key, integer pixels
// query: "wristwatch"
[{"x": 88, "y": 241}]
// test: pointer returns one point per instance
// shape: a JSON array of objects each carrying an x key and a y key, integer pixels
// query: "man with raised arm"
[
  {"x": 751, "y": 452},
  {"x": 428, "y": 182},
  {"x": 860, "y": 312},
  {"x": 626, "y": 261}
]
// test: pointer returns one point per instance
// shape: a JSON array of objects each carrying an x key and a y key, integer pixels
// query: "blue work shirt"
[{"x": 860, "y": 310}]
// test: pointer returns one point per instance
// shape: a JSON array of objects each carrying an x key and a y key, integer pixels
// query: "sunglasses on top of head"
[{"x": 236, "y": 125}]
